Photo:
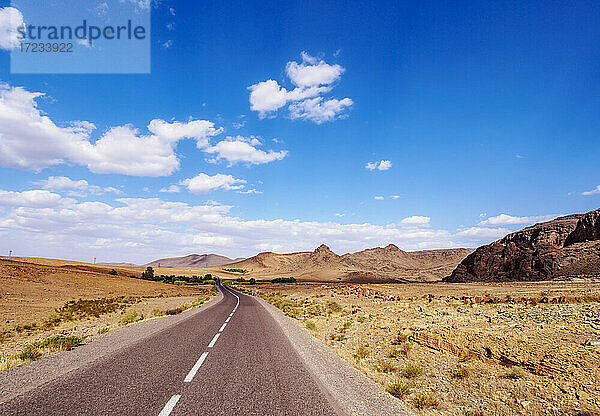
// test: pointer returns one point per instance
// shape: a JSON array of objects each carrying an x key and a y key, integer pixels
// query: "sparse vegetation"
[
  {"x": 400, "y": 339},
  {"x": 103, "y": 330},
  {"x": 361, "y": 352},
  {"x": 243, "y": 271},
  {"x": 461, "y": 372},
  {"x": 113, "y": 272},
  {"x": 284, "y": 280},
  {"x": 399, "y": 389},
  {"x": 425, "y": 401},
  {"x": 411, "y": 371},
  {"x": 333, "y": 307},
  {"x": 54, "y": 343},
  {"x": 131, "y": 318},
  {"x": 384, "y": 366},
  {"x": 310, "y": 325}
]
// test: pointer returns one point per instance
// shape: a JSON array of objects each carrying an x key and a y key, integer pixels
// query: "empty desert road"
[{"x": 230, "y": 359}]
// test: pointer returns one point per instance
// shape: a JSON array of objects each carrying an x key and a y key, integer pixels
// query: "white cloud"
[
  {"x": 31, "y": 140},
  {"x": 171, "y": 189},
  {"x": 268, "y": 96},
  {"x": 35, "y": 199},
  {"x": 312, "y": 78},
  {"x": 79, "y": 188},
  {"x": 381, "y": 165},
  {"x": 378, "y": 198},
  {"x": 312, "y": 72},
  {"x": 243, "y": 149},
  {"x": 395, "y": 197},
  {"x": 594, "y": 191},
  {"x": 10, "y": 20},
  {"x": 249, "y": 191},
  {"x": 340, "y": 214},
  {"x": 417, "y": 220},
  {"x": 203, "y": 183},
  {"x": 504, "y": 219},
  {"x": 319, "y": 111}
]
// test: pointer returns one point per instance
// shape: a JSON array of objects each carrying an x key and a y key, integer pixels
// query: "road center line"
[
  {"x": 166, "y": 411},
  {"x": 223, "y": 327},
  {"x": 195, "y": 368},
  {"x": 212, "y": 343}
]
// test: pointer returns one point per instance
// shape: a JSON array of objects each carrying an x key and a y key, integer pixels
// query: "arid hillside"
[
  {"x": 389, "y": 264},
  {"x": 193, "y": 260},
  {"x": 567, "y": 247}
]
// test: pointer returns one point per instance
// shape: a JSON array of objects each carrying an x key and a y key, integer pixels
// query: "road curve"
[{"x": 231, "y": 359}]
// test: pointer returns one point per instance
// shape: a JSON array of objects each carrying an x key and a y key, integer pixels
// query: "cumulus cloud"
[
  {"x": 381, "y": 165},
  {"x": 312, "y": 78},
  {"x": 203, "y": 183},
  {"x": 416, "y": 220},
  {"x": 594, "y": 191},
  {"x": 378, "y": 198},
  {"x": 312, "y": 72},
  {"x": 319, "y": 111},
  {"x": 35, "y": 199},
  {"x": 241, "y": 149},
  {"x": 31, "y": 140},
  {"x": 74, "y": 187},
  {"x": 504, "y": 219},
  {"x": 10, "y": 20}
]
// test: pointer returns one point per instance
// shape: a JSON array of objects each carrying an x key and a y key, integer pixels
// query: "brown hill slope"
[
  {"x": 565, "y": 247},
  {"x": 193, "y": 260},
  {"x": 389, "y": 264}
]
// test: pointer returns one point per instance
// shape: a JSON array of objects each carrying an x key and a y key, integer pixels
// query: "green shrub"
[
  {"x": 411, "y": 371},
  {"x": 333, "y": 307},
  {"x": 131, "y": 318},
  {"x": 103, "y": 330},
  {"x": 311, "y": 325},
  {"x": 399, "y": 389},
  {"x": 59, "y": 343},
  {"x": 148, "y": 274},
  {"x": 30, "y": 352}
]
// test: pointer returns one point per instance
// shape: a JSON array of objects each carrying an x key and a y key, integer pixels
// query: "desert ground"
[
  {"x": 40, "y": 298},
  {"x": 461, "y": 349}
]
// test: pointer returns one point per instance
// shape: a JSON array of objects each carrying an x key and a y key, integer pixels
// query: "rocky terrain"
[
  {"x": 387, "y": 264},
  {"x": 193, "y": 260},
  {"x": 502, "y": 349},
  {"x": 567, "y": 247}
]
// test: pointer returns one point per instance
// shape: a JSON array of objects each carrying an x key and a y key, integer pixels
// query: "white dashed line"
[
  {"x": 166, "y": 411},
  {"x": 212, "y": 343},
  {"x": 223, "y": 327},
  {"x": 228, "y": 318},
  {"x": 195, "y": 368}
]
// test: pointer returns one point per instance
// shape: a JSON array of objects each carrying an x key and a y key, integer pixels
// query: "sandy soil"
[
  {"x": 485, "y": 349},
  {"x": 31, "y": 291}
]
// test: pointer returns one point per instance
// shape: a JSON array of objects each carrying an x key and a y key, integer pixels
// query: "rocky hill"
[
  {"x": 563, "y": 248},
  {"x": 193, "y": 260},
  {"x": 388, "y": 264}
]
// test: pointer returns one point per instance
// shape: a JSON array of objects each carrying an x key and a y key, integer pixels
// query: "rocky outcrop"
[{"x": 565, "y": 247}]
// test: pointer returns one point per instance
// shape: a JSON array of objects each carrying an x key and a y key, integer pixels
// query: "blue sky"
[{"x": 485, "y": 115}]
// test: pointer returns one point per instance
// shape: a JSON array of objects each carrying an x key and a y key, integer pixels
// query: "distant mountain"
[
  {"x": 563, "y": 248},
  {"x": 118, "y": 264},
  {"x": 194, "y": 260},
  {"x": 389, "y": 264}
]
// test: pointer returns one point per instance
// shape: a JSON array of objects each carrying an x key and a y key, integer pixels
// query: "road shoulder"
[{"x": 353, "y": 393}]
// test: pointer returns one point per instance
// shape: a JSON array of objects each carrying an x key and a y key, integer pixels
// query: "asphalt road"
[{"x": 231, "y": 359}]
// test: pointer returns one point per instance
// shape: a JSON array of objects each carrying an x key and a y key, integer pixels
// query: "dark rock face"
[{"x": 565, "y": 247}]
